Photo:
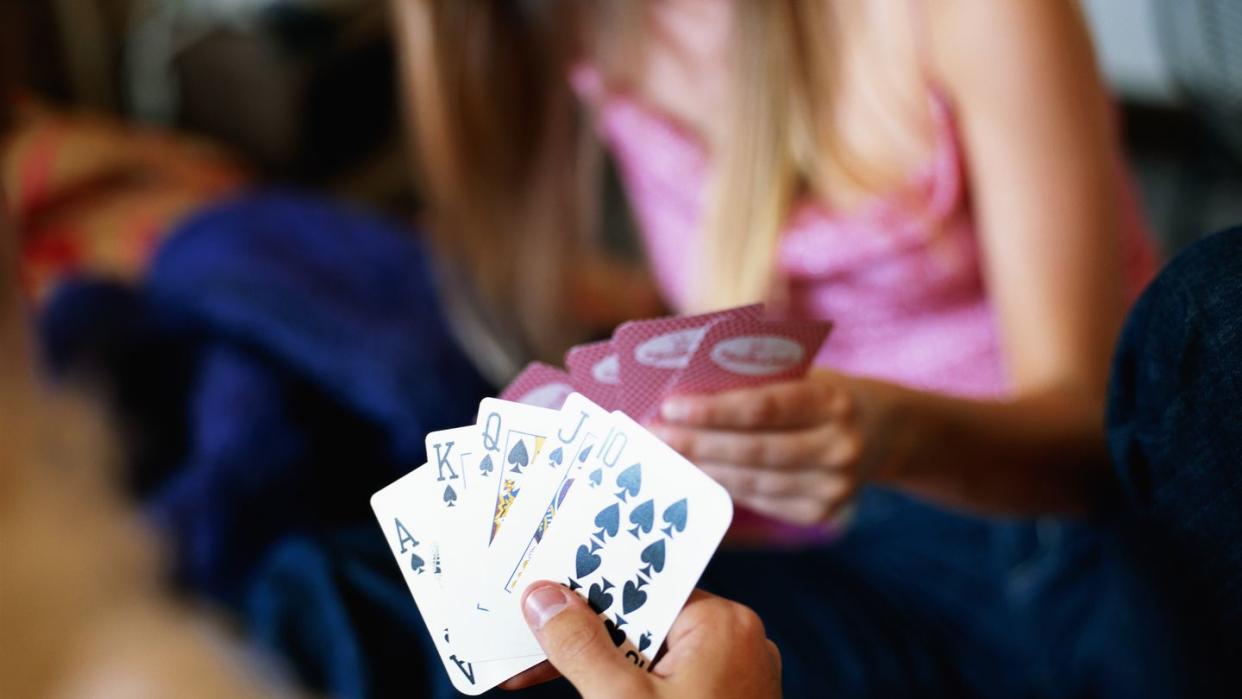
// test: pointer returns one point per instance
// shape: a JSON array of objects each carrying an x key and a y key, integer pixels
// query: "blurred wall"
[{"x": 1128, "y": 49}]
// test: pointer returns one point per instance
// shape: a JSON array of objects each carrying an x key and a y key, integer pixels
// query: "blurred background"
[
  {"x": 302, "y": 92},
  {"x": 135, "y": 116}
]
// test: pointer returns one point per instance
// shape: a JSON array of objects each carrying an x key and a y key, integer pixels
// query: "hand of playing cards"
[
  {"x": 648, "y": 360},
  {"x": 558, "y": 487}
]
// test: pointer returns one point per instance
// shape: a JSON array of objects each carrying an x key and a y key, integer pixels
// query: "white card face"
[
  {"x": 510, "y": 436},
  {"x": 632, "y": 536},
  {"x": 452, "y": 453},
  {"x": 409, "y": 513},
  {"x": 455, "y": 455},
  {"x": 581, "y": 425}
]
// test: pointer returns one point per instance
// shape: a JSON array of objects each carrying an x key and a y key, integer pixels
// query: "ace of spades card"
[
  {"x": 409, "y": 513},
  {"x": 633, "y": 543}
]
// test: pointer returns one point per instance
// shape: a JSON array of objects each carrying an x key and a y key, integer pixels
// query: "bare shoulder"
[{"x": 1017, "y": 37}]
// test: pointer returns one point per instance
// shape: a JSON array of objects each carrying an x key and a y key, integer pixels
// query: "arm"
[{"x": 1035, "y": 131}]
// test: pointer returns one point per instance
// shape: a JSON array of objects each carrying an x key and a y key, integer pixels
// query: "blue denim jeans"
[
  {"x": 1175, "y": 432},
  {"x": 916, "y": 601}
]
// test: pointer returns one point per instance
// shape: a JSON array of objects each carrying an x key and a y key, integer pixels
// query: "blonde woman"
[{"x": 942, "y": 180}]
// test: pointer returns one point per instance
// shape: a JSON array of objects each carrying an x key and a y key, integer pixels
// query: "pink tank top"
[{"x": 902, "y": 284}]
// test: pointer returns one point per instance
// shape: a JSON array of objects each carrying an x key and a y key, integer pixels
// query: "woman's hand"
[{"x": 795, "y": 451}]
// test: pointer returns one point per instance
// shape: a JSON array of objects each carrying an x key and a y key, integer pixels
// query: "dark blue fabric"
[
  {"x": 322, "y": 361},
  {"x": 282, "y": 361},
  {"x": 915, "y": 601},
  {"x": 342, "y": 299},
  {"x": 336, "y": 607},
  {"x": 1175, "y": 432}
]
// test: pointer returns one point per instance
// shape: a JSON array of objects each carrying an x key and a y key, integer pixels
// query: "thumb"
[{"x": 576, "y": 643}]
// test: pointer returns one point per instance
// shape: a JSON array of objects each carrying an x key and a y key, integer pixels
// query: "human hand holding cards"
[
  {"x": 717, "y": 649},
  {"x": 617, "y": 516},
  {"x": 571, "y": 492}
]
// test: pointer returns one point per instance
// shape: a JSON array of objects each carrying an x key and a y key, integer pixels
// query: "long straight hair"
[{"x": 510, "y": 167}]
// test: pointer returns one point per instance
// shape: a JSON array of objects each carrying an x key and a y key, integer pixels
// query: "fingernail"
[
  {"x": 675, "y": 410},
  {"x": 543, "y": 603}
]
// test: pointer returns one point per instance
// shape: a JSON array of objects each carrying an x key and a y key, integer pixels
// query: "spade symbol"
[
  {"x": 608, "y": 520},
  {"x": 586, "y": 562},
  {"x": 598, "y": 597},
  {"x": 518, "y": 457},
  {"x": 615, "y": 632},
  {"x": 450, "y": 496},
  {"x": 630, "y": 480},
  {"x": 644, "y": 641},
  {"x": 485, "y": 466},
  {"x": 557, "y": 456},
  {"x": 632, "y": 597},
  {"x": 642, "y": 517},
  {"x": 582, "y": 455},
  {"x": 675, "y": 517},
  {"x": 416, "y": 563},
  {"x": 653, "y": 556},
  {"x": 597, "y": 477}
]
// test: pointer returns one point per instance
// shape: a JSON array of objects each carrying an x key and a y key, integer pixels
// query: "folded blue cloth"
[{"x": 285, "y": 356}]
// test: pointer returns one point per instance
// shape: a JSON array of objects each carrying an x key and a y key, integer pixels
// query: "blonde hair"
[{"x": 509, "y": 165}]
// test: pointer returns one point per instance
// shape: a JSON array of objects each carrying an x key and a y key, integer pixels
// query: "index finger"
[
  {"x": 784, "y": 405},
  {"x": 689, "y": 615},
  {"x": 702, "y": 625}
]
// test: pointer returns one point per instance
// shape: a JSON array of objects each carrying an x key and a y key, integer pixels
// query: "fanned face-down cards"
[
  {"x": 594, "y": 370},
  {"x": 650, "y": 352},
  {"x": 539, "y": 385}
]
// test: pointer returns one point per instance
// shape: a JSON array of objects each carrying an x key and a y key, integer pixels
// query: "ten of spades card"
[{"x": 633, "y": 541}]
